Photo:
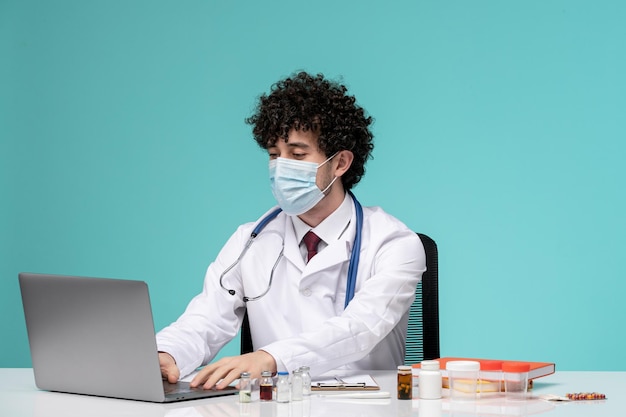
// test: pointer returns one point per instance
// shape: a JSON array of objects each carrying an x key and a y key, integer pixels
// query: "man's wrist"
[
  {"x": 270, "y": 362},
  {"x": 169, "y": 355}
]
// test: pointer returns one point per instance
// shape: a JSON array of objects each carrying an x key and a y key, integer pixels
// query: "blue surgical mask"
[{"x": 293, "y": 184}]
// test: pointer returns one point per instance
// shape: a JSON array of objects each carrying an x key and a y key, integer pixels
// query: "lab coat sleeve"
[
  {"x": 213, "y": 317},
  {"x": 395, "y": 260}
]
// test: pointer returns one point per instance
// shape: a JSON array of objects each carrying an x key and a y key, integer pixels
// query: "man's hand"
[
  {"x": 230, "y": 368},
  {"x": 169, "y": 369}
]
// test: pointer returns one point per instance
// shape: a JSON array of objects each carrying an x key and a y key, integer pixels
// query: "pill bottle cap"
[
  {"x": 515, "y": 367},
  {"x": 245, "y": 375},
  {"x": 404, "y": 368},
  {"x": 463, "y": 366},
  {"x": 490, "y": 365},
  {"x": 283, "y": 373},
  {"x": 430, "y": 365},
  {"x": 266, "y": 373}
]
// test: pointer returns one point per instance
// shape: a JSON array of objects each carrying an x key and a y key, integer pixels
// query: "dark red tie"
[{"x": 311, "y": 240}]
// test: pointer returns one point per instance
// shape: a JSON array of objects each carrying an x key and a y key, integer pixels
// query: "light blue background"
[{"x": 499, "y": 132}]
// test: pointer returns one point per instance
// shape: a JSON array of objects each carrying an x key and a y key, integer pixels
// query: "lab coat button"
[{"x": 306, "y": 292}]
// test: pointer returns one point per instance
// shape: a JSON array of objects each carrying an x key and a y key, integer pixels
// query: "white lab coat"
[{"x": 301, "y": 320}]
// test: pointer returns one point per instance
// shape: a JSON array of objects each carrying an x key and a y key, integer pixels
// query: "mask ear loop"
[
  {"x": 334, "y": 178},
  {"x": 334, "y": 155},
  {"x": 329, "y": 185}
]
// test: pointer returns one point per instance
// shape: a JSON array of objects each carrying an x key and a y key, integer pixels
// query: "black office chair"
[{"x": 422, "y": 340}]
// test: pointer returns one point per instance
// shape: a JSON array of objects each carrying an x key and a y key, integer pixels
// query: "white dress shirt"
[{"x": 330, "y": 229}]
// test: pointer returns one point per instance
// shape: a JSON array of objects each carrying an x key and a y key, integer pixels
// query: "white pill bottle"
[{"x": 429, "y": 380}]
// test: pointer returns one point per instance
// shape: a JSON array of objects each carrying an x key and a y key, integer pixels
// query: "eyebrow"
[
  {"x": 292, "y": 145},
  {"x": 298, "y": 145}
]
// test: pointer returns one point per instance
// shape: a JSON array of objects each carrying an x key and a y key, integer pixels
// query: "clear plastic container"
[
  {"x": 490, "y": 379},
  {"x": 515, "y": 375},
  {"x": 463, "y": 379}
]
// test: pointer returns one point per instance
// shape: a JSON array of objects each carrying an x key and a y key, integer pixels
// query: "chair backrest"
[{"x": 422, "y": 339}]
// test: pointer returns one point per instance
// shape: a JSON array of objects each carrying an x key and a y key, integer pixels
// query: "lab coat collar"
[
  {"x": 339, "y": 246},
  {"x": 292, "y": 245},
  {"x": 338, "y": 232},
  {"x": 336, "y": 253},
  {"x": 332, "y": 227}
]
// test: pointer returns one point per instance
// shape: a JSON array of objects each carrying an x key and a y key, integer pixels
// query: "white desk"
[{"x": 20, "y": 398}]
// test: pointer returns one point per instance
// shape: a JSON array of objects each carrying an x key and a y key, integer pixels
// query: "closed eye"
[{"x": 273, "y": 153}]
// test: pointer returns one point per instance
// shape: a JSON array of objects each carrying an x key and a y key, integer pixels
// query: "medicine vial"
[
  {"x": 405, "y": 382},
  {"x": 282, "y": 387},
  {"x": 429, "y": 380},
  {"x": 266, "y": 386},
  {"x": 306, "y": 380},
  {"x": 296, "y": 385},
  {"x": 245, "y": 388}
]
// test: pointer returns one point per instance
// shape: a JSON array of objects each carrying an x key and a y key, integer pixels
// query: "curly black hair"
[{"x": 302, "y": 102}]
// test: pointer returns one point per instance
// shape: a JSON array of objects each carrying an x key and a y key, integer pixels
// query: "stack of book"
[{"x": 537, "y": 369}]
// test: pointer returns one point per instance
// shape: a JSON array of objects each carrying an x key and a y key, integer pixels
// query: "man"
[{"x": 294, "y": 287}]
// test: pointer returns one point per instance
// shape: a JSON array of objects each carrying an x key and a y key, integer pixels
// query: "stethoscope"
[{"x": 352, "y": 267}]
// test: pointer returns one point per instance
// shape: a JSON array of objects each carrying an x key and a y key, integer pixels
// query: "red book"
[{"x": 537, "y": 369}]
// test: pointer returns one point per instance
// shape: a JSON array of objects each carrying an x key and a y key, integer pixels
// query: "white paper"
[{"x": 352, "y": 379}]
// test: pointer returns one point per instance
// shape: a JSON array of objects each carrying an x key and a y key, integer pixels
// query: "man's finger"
[
  {"x": 230, "y": 377},
  {"x": 173, "y": 375},
  {"x": 200, "y": 378}
]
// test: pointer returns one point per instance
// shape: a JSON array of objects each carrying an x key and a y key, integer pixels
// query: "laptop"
[{"x": 95, "y": 336}]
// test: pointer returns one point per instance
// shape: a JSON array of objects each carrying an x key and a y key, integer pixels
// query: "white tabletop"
[{"x": 20, "y": 398}]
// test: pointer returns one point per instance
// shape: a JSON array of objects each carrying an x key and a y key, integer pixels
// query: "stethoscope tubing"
[
  {"x": 352, "y": 267},
  {"x": 356, "y": 251}
]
